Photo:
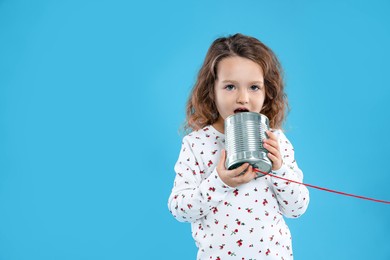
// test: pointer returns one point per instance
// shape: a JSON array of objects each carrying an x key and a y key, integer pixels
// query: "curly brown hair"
[{"x": 201, "y": 109}]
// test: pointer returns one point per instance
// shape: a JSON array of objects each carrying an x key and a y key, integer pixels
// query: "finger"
[
  {"x": 272, "y": 139},
  {"x": 271, "y": 135},
  {"x": 275, "y": 151},
  {"x": 239, "y": 170},
  {"x": 276, "y": 163},
  {"x": 247, "y": 177},
  {"x": 274, "y": 158},
  {"x": 222, "y": 160},
  {"x": 271, "y": 142}
]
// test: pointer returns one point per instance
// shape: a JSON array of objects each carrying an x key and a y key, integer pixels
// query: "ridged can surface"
[{"x": 244, "y": 135}]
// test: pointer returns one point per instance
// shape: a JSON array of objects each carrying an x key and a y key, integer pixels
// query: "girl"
[{"x": 235, "y": 215}]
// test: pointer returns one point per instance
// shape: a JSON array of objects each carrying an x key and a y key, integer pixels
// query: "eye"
[
  {"x": 255, "y": 88},
  {"x": 230, "y": 87}
]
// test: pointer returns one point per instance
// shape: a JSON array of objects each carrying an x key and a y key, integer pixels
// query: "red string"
[{"x": 325, "y": 189}]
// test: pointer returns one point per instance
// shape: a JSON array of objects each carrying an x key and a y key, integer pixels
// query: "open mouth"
[{"x": 240, "y": 110}]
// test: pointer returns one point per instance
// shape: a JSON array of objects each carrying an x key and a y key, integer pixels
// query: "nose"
[{"x": 242, "y": 96}]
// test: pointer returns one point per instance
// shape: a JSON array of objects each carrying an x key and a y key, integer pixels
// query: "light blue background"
[{"x": 92, "y": 94}]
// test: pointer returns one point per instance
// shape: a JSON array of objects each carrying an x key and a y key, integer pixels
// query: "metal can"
[{"x": 244, "y": 135}]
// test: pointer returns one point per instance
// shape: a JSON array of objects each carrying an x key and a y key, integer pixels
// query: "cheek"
[
  {"x": 219, "y": 104},
  {"x": 220, "y": 100},
  {"x": 260, "y": 100}
]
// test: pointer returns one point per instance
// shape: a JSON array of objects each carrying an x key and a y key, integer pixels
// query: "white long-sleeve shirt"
[{"x": 245, "y": 222}]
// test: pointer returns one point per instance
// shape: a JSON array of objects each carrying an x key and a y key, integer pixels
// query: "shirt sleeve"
[
  {"x": 293, "y": 198},
  {"x": 194, "y": 196}
]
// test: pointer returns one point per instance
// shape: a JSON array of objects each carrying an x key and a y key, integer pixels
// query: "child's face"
[{"x": 239, "y": 87}]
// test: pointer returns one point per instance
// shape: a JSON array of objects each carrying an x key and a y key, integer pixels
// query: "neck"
[{"x": 219, "y": 125}]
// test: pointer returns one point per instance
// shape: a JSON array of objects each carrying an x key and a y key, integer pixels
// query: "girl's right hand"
[{"x": 235, "y": 177}]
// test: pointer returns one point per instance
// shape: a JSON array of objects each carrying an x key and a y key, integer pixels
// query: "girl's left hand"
[{"x": 272, "y": 145}]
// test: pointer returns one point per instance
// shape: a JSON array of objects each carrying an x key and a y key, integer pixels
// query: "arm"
[
  {"x": 293, "y": 198},
  {"x": 192, "y": 196}
]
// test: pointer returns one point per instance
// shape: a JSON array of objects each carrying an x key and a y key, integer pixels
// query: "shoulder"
[
  {"x": 201, "y": 135},
  {"x": 204, "y": 142},
  {"x": 283, "y": 140},
  {"x": 278, "y": 132}
]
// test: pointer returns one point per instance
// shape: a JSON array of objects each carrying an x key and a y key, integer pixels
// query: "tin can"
[{"x": 244, "y": 135}]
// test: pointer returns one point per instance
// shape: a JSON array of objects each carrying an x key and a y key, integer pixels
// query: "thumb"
[{"x": 222, "y": 160}]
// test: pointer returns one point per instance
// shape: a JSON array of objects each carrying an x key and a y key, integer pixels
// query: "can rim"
[{"x": 237, "y": 117}]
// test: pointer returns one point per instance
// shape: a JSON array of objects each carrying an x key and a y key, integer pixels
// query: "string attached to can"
[
  {"x": 245, "y": 133},
  {"x": 321, "y": 188}
]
